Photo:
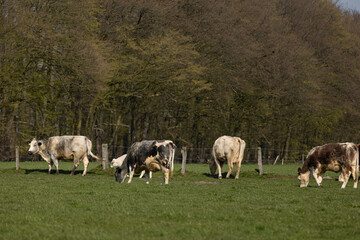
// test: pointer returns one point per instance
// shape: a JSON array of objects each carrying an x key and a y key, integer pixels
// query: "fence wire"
[{"x": 194, "y": 155}]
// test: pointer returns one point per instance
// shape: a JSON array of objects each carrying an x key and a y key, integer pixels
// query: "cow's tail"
[
  {"x": 241, "y": 150},
  {"x": 89, "y": 147},
  {"x": 213, "y": 161}
]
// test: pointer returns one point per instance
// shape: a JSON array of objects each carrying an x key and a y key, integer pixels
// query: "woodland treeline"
[{"x": 280, "y": 74}]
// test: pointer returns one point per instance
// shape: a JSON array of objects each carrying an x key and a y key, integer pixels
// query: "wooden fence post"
[
  {"x": 277, "y": 158},
  {"x": 184, "y": 156},
  {"x": 260, "y": 161},
  {"x": 17, "y": 158},
  {"x": 105, "y": 155}
]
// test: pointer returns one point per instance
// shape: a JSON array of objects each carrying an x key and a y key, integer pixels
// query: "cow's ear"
[
  {"x": 299, "y": 171},
  {"x": 39, "y": 143}
]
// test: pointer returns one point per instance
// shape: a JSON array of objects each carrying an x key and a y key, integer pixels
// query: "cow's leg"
[
  {"x": 230, "y": 166},
  {"x": 318, "y": 177},
  {"x": 341, "y": 177},
  {"x": 86, "y": 163},
  {"x": 76, "y": 164},
  {"x": 50, "y": 166},
  {"x": 238, "y": 170},
  {"x": 56, "y": 163},
  {"x": 132, "y": 170},
  {"x": 355, "y": 173},
  {"x": 219, "y": 165},
  {"x": 147, "y": 177},
  {"x": 166, "y": 175},
  {"x": 144, "y": 172},
  {"x": 346, "y": 174},
  {"x": 319, "y": 180},
  {"x": 241, "y": 157}
]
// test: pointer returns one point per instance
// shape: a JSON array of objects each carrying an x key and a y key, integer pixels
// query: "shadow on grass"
[
  {"x": 53, "y": 172},
  {"x": 251, "y": 174},
  {"x": 216, "y": 175}
]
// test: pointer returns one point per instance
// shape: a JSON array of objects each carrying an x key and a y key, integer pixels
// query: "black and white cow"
[
  {"x": 52, "y": 149},
  {"x": 148, "y": 155},
  {"x": 227, "y": 149},
  {"x": 336, "y": 157}
]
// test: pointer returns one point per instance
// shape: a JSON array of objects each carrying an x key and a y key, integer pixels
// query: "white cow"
[
  {"x": 227, "y": 149},
  {"x": 77, "y": 148},
  {"x": 119, "y": 162}
]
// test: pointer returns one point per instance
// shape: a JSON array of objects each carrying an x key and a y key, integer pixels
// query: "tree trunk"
[{"x": 287, "y": 144}]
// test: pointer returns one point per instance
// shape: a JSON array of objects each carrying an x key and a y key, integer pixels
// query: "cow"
[
  {"x": 148, "y": 155},
  {"x": 54, "y": 148},
  {"x": 227, "y": 149},
  {"x": 336, "y": 157},
  {"x": 118, "y": 162}
]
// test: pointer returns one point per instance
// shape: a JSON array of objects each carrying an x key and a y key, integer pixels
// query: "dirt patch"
[
  {"x": 203, "y": 182},
  {"x": 327, "y": 177}
]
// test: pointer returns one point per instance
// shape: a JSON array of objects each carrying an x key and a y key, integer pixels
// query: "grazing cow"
[
  {"x": 336, "y": 157},
  {"x": 149, "y": 155},
  {"x": 227, "y": 149},
  {"x": 119, "y": 162},
  {"x": 63, "y": 147}
]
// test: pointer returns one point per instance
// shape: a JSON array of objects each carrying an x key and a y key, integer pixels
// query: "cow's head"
[
  {"x": 212, "y": 166},
  {"x": 121, "y": 168},
  {"x": 303, "y": 177},
  {"x": 113, "y": 163},
  {"x": 35, "y": 146},
  {"x": 120, "y": 174}
]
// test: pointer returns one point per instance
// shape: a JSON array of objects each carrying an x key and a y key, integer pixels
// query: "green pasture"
[{"x": 35, "y": 205}]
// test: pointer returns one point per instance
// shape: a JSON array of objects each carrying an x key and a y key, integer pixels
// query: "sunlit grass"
[{"x": 35, "y": 205}]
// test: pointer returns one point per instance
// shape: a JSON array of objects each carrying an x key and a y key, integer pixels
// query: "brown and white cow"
[
  {"x": 336, "y": 157},
  {"x": 119, "y": 162},
  {"x": 148, "y": 155},
  {"x": 227, "y": 149},
  {"x": 54, "y": 148}
]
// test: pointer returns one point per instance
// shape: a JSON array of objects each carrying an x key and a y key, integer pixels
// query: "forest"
[{"x": 280, "y": 74}]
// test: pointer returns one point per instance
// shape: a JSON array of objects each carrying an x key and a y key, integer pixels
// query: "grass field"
[{"x": 35, "y": 205}]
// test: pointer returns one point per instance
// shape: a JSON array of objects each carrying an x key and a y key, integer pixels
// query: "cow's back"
[
  {"x": 224, "y": 147},
  {"x": 140, "y": 151},
  {"x": 332, "y": 152},
  {"x": 67, "y": 146}
]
